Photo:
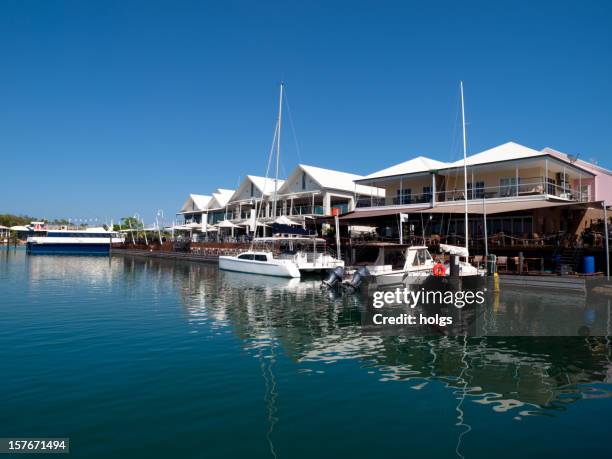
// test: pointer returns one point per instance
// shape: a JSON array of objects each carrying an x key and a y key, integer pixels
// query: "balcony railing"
[{"x": 525, "y": 187}]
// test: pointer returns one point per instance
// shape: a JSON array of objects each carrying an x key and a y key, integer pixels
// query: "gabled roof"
[
  {"x": 220, "y": 198},
  {"x": 505, "y": 152},
  {"x": 413, "y": 166},
  {"x": 263, "y": 185},
  {"x": 335, "y": 180},
  {"x": 266, "y": 186},
  {"x": 196, "y": 203},
  {"x": 591, "y": 167}
]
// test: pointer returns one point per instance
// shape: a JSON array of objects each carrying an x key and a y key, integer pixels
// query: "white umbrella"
[
  {"x": 283, "y": 220},
  {"x": 226, "y": 224}
]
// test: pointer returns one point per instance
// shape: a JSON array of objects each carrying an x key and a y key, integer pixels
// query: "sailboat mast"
[
  {"x": 278, "y": 138},
  {"x": 465, "y": 187}
]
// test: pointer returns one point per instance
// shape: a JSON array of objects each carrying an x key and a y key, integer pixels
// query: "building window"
[
  {"x": 507, "y": 186},
  {"x": 404, "y": 196},
  {"x": 476, "y": 192},
  {"x": 426, "y": 194},
  {"x": 303, "y": 180},
  {"x": 252, "y": 189}
]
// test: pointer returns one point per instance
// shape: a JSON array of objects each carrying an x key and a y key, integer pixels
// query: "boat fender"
[{"x": 439, "y": 270}]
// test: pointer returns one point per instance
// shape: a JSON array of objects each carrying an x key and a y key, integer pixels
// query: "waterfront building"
[
  {"x": 194, "y": 209},
  {"x": 217, "y": 206},
  {"x": 314, "y": 191},
  {"x": 528, "y": 196},
  {"x": 255, "y": 194}
]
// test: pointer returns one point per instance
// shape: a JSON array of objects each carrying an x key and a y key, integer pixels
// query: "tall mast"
[
  {"x": 278, "y": 138},
  {"x": 465, "y": 187}
]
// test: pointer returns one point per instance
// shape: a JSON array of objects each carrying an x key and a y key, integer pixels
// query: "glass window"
[
  {"x": 246, "y": 256},
  {"x": 507, "y": 186},
  {"x": 260, "y": 258},
  {"x": 404, "y": 196}
]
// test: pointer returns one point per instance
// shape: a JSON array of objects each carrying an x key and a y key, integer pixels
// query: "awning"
[
  {"x": 370, "y": 212},
  {"x": 477, "y": 207}
]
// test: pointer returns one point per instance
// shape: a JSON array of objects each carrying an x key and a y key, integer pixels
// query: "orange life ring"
[{"x": 439, "y": 270}]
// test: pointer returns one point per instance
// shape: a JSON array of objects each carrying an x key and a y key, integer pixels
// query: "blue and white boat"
[{"x": 89, "y": 241}]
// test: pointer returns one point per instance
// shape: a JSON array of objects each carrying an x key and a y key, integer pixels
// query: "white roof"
[
  {"x": 505, "y": 152},
  {"x": 220, "y": 198},
  {"x": 263, "y": 185},
  {"x": 196, "y": 202},
  {"x": 337, "y": 180},
  {"x": 591, "y": 167},
  {"x": 413, "y": 166},
  {"x": 266, "y": 186}
]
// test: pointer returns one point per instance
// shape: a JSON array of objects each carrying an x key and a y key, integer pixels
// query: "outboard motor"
[
  {"x": 357, "y": 279},
  {"x": 333, "y": 277}
]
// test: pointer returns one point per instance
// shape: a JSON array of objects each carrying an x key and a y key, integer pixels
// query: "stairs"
[{"x": 569, "y": 259}]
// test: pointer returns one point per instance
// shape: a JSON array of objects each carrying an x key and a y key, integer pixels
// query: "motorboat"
[
  {"x": 388, "y": 263},
  {"x": 465, "y": 269}
]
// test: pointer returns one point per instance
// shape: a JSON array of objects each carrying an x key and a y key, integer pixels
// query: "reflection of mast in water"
[
  {"x": 265, "y": 363},
  {"x": 460, "y": 415}
]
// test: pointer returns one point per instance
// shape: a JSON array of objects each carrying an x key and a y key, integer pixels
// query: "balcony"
[{"x": 526, "y": 188}]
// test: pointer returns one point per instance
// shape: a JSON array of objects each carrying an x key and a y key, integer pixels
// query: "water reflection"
[
  {"x": 282, "y": 340},
  {"x": 522, "y": 376}
]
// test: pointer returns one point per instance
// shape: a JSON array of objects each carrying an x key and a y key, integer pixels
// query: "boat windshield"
[{"x": 421, "y": 257}]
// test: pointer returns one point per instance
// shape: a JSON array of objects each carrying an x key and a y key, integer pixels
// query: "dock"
[{"x": 564, "y": 283}]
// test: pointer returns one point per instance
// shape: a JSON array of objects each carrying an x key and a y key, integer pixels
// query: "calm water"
[{"x": 143, "y": 358}]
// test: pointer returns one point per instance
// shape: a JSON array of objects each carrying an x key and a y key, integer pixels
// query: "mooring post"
[
  {"x": 605, "y": 212},
  {"x": 521, "y": 260}
]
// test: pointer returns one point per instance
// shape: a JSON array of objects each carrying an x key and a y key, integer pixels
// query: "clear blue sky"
[{"x": 111, "y": 108}]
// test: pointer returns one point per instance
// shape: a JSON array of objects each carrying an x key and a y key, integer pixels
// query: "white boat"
[
  {"x": 285, "y": 256},
  {"x": 465, "y": 269},
  {"x": 258, "y": 262},
  {"x": 396, "y": 264},
  {"x": 88, "y": 241}
]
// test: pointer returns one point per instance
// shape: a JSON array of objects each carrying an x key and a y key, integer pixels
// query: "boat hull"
[
  {"x": 264, "y": 268},
  {"x": 67, "y": 249}
]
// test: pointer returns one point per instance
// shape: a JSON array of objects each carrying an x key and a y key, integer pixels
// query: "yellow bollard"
[{"x": 495, "y": 282}]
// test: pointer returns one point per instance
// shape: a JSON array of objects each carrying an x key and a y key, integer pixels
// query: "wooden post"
[
  {"x": 605, "y": 212},
  {"x": 521, "y": 260}
]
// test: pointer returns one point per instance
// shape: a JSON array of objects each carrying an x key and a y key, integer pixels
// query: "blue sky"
[{"x": 111, "y": 108}]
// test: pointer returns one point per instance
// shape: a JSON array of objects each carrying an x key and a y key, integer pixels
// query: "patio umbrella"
[
  {"x": 226, "y": 224},
  {"x": 283, "y": 220}
]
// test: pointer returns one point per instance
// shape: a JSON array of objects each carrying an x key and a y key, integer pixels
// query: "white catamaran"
[{"x": 284, "y": 256}]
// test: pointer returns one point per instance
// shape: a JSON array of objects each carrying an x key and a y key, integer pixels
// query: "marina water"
[{"x": 135, "y": 357}]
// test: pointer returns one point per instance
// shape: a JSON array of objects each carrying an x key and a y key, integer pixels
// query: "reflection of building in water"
[
  {"x": 517, "y": 375},
  {"x": 98, "y": 271}
]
